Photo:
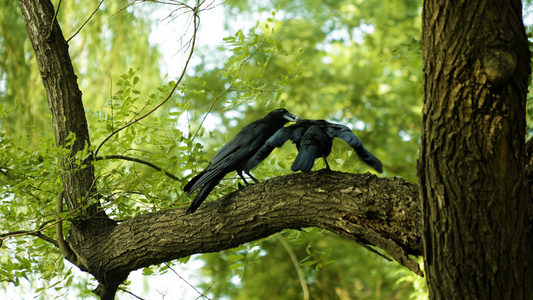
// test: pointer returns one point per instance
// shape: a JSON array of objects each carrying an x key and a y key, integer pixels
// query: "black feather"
[
  {"x": 234, "y": 155},
  {"x": 314, "y": 139}
]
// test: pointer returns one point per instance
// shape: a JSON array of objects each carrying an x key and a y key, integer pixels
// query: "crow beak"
[{"x": 291, "y": 117}]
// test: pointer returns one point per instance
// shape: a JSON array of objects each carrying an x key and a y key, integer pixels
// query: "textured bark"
[
  {"x": 374, "y": 211},
  {"x": 68, "y": 116},
  {"x": 476, "y": 231},
  {"x": 64, "y": 95}
]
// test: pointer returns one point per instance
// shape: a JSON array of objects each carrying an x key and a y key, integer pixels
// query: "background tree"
[
  {"x": 287, "y": 51},
  {"x": 97, "y": 53}
]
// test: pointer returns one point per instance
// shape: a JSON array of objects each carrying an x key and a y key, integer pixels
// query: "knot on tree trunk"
[{"x": 498, "y": 65}]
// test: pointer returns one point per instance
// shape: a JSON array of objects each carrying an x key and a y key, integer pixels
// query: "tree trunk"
[
  {"x": 471, "y": 168},
  {"x": 68, "y": 116}
]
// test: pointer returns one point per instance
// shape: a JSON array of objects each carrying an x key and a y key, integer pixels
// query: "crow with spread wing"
[
  {"x": 313, "y": 138},
  {"x": 235, "y": 154}
]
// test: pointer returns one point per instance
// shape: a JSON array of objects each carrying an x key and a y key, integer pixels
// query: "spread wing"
[{"x": 345, "y": 133}]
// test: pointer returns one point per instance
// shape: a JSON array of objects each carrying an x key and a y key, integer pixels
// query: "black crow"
[
  {"x": 313, "y": 138},
  {"x": 234, "y": 155}
]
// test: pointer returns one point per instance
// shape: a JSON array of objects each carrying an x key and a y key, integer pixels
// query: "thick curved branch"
[{"x": 374, "y": 211}]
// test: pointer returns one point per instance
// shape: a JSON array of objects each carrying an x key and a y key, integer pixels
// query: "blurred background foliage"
[
  {"x": 352, "y": 62},
  {"x": 355, "y": 62}
]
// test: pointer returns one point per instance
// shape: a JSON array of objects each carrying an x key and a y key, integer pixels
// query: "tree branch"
[
  {"x": 137, "y": 160},
  {"x": 296, "y": 265},
  {"x": 38, "y": 233},
  {"x": 196, "y": 18},
  {"x": 383, "y": 212},
  {"x": 86, "y": 21},
  {"x": 61, "y": 244}
]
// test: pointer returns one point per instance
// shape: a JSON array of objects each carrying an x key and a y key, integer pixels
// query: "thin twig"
[
  {"x": 36, "y": 233},
  {"x": 25, "y": 232},
  {"x": 195, "y": 17},
  {"x": 137, "y": 160},
  {"x": 209, "y": 111},
  {"x": 54, "y": 18},
  {"x": 43, "y": 237},
  {"x": 86, "y": 21},
  {"x": 126, "y": 291},
  {"x": 296, "y": 264},
  {"x": 206, "y": 290},
  {"x": 228, "y": 89},
  {"x": 201, "y": 294}
]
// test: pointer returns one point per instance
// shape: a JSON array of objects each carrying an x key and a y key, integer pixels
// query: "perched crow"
[
  {"x": 313, "y": 138},
  {"x": 234, "y": 155}
]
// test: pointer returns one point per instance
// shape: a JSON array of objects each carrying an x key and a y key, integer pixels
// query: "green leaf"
[
  {"x": 229, "y": 39},
  {"x": 235, "y": 257},
  {"x": 235, "y": 266},
  {"x": 308, "y": 263},
  {"x": 148, "y": 271}
]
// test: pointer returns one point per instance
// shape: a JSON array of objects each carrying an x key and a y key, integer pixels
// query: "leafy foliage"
[
  {"x": 355, "y": 272},
  {"x": 354, "y": 63},
  {"x": 28, "y": 191}
]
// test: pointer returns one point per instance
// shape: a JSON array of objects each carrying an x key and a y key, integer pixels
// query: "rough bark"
[
  {"x": 63, "y": 93},
  {"x": 68, "y": 116},
  {"x": 476, "y": 231},
  {"x": 373, "y": 211}
]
